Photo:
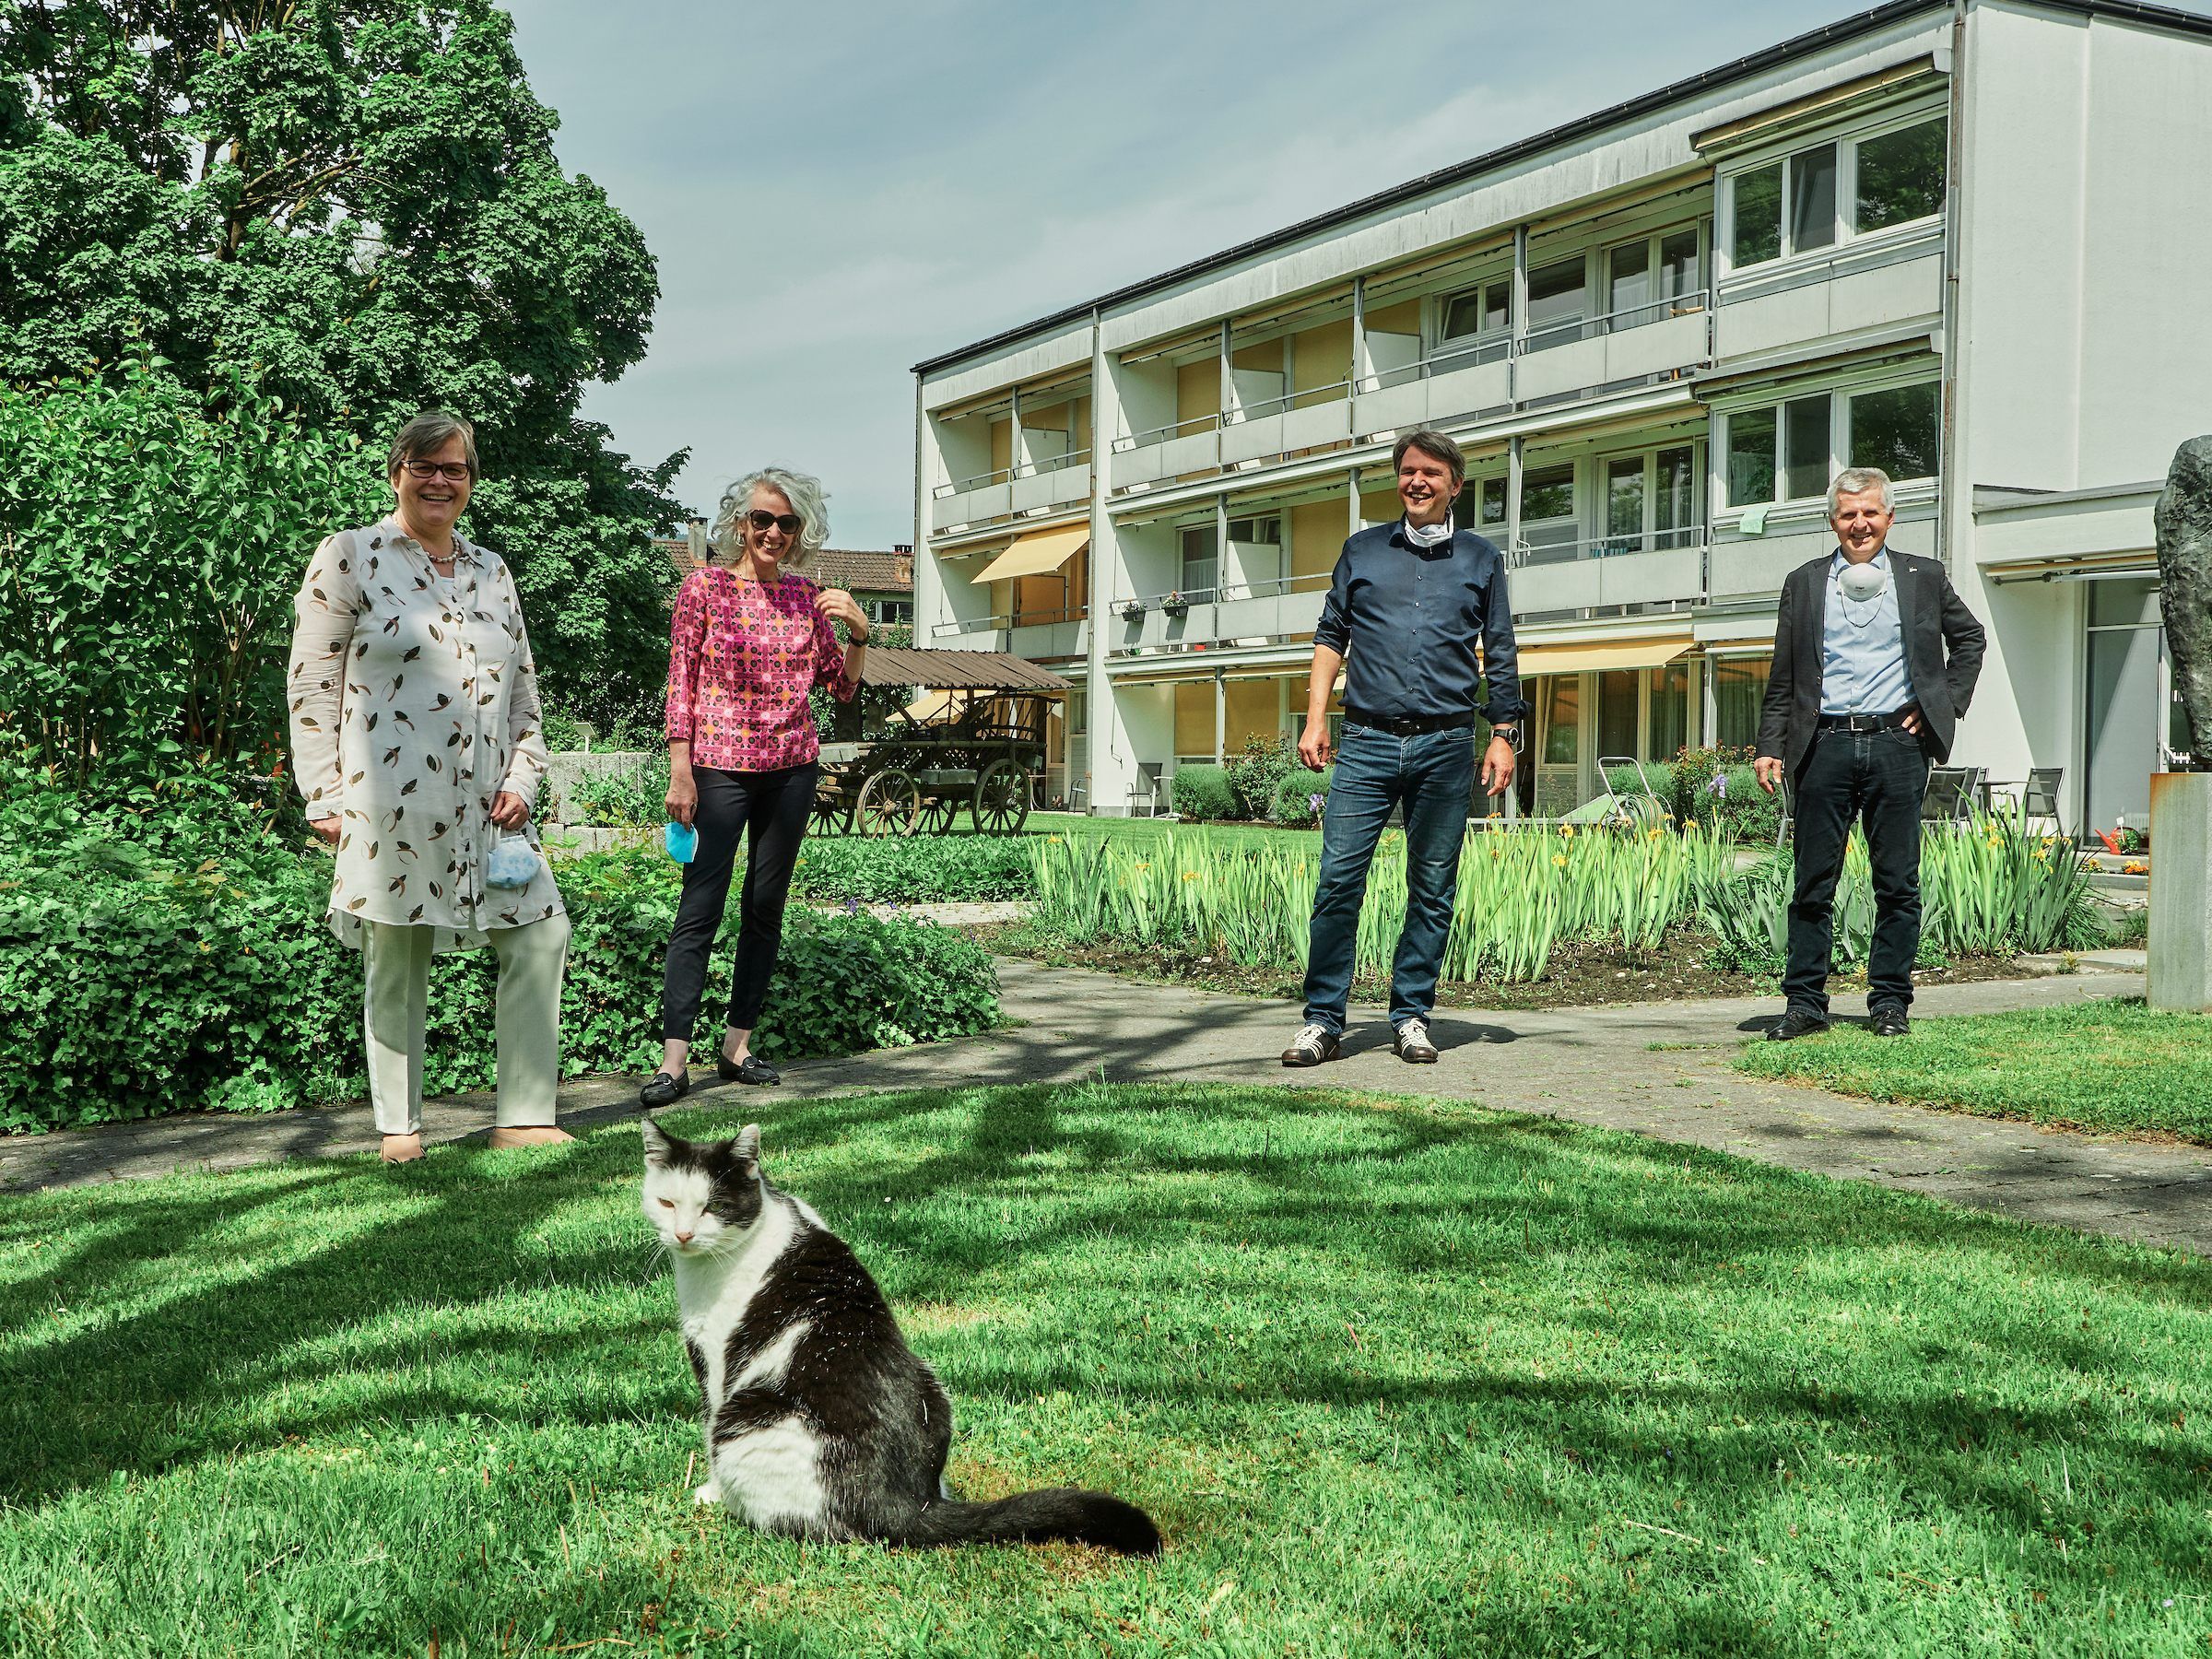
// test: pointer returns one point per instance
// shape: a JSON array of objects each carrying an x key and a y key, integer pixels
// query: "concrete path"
[{"x": 1591, "y": 1066}]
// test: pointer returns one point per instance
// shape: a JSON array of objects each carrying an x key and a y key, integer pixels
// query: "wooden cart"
[{"x": 973, "y": 739}]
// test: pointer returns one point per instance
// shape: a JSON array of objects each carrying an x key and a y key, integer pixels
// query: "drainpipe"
[
  {"x": 1519, "y": 331},
  {"x": 1949, "y": 497},
  {"x": 1105, "y": 565},
  {"x": 1514, "y": 469}
]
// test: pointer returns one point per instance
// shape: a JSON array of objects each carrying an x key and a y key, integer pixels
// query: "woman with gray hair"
[
  {"x": 416, "y": 743},
  {"x": 749, "y": 640}
]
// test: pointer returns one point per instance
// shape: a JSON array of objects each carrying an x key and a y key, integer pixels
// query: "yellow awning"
[
  {"x": 1034, "y": 553},
  {"x": 1601, "y": 654}
]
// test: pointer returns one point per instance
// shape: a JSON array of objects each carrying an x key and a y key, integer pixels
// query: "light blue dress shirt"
[{"x": 1863, "y": 668}]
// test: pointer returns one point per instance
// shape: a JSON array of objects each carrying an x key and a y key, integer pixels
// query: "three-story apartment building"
[{"x": 1970, "y": 243}]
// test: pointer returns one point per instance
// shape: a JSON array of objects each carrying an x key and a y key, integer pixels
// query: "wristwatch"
[{"x": 1510, "y": 731}]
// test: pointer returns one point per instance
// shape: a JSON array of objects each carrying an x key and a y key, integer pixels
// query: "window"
[
  {"x": 1555, "y": 303},
  {"x": 890, "y": 610},
  {"x": 1562, "y": 696},
  {"x": 1079, "y": 711},
  {"x": 1750, "y": 457},
  {"x": 1477, "y": 320},
  {"x": 1493, "y": 500},
  {"x": 1678, "y": 273},
  {"x": 1739, "y": 686},
  {"x": 1758, "y": 217},
  {"x": 1675, "y": 498},
  {"x": 1262, "y": 530},
  {"x": 1897, "y": 429},
  {"x": 1789, "y": 446},
  {"x": 1812, "y": 198},
  {"x": 1670, "y": 712},
  {"x": 1900, "y": 176},
  {"x": 1618, "y": 694},
  {"x": 1624, "y": 505},
  {"x": 1547, "y": 517},
  {"x": 1845, "y": 187},
  {"x": 1200, "y": 564},
  {"x": 1629, "y": 281}
]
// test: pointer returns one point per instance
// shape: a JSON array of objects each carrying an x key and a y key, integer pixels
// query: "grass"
[
  {"x": 2111, "y": 1064},
  {"x": 1395, "y": 1377}
]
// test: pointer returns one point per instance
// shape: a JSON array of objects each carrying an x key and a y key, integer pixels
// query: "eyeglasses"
[
  {"x": 452, "y": 471},
  {"x": 789, "y": 523}
]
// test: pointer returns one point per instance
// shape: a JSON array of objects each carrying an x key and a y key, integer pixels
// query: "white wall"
[{"x": 2027, "y": 707}]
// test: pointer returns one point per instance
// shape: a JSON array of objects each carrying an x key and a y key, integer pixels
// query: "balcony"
[
  {"x": 1598, "y": 572},
  {"x": 1254, "y": 613},
  {"x": 1168, "y": 451},
  {"x": 1852, "y": 292},
  {"x": 1035, "y": 487},
  {"x": 1636, "y": 342},
  {"x": 1038, "y": 637},
  {"x": 1280, "y": 425}
]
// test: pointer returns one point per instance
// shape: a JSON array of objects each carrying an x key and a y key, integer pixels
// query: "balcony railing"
[
  {"x": 1033, "y": 634},
  {"x": 1057, "y": 480},
  {"x": 1560, "y": 572},
  {"x": 1258, "y": 611}
]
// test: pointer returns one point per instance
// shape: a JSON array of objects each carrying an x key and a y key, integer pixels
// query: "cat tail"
[{"x": 1056, "y": 1513}]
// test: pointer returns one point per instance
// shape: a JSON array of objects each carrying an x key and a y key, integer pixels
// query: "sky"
[{"x": 834, "y": 193}]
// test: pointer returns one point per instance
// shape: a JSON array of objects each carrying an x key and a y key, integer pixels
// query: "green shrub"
[
  {"x": 191, "y": 969},
  {"x": 1203, "y": 794},
  {"x": 913, "y": 869},
  {"x": 1299, "y": 798},
  {"x": 1258, "y": 772},
  {"x": 633, "y": 798}
]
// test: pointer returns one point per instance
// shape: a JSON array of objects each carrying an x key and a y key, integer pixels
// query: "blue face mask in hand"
[
  {"x": 682, "y": 842},
  {"x": 512, "y": 863}
]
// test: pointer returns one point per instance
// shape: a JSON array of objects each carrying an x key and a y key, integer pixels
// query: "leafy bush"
[
  {"x": 1299, "y": 797},
  {"x": 913, "y": 869},
  {"x": 634, "y": 798},
  {"x": 1204, "y": 792},
  {"x": 191, "y": 969},
  {"x": 1258, "y": 772},
  {"x": 1728, "y": 798},
  {"x": 153, "y": 540}
]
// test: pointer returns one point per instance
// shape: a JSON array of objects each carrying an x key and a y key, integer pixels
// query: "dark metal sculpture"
[{"x": 2183, "y": 520}]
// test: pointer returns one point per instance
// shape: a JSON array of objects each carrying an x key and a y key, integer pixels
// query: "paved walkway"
[{"x": 1591, "y": 1065}]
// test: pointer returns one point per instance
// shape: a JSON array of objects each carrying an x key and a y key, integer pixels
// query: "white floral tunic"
[{"x": 414, "y": 702}]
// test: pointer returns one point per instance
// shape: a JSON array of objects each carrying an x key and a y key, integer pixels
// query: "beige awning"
[
  {"x": 1034, "y": 553},
  {"x": 1601, "y": 654}
]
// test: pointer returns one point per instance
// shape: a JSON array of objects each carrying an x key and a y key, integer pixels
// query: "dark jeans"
[
  {"x": 1878, "y": 778},
  {"x": 776, "y": 803},
  {"x": 1433, "y": 775}
]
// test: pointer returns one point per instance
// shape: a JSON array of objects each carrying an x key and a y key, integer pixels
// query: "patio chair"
[
  {"x": 2039, "y": 796},
  {"x": 1953, "y": 792}
]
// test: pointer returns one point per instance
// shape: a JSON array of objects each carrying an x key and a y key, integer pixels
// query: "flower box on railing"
[
  {"x": 1132, "y": 610},
  {"x": 1176, "y": 607}
]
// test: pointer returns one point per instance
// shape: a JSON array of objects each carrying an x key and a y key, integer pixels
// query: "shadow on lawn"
[{"x": 1279, "y": 1171}]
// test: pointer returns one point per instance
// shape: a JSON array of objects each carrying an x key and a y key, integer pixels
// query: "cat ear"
[
  {"x": 658, "y": 1142},
  {"x": 748, "y": 1144}
]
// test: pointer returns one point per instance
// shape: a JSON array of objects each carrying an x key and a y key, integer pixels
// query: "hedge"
[
  {"x": 913, "y": 869},
  {"x": 1203, "y": 793},
  {"x": 138, "y": 983},
  {"x": 1298, "y": 797}
]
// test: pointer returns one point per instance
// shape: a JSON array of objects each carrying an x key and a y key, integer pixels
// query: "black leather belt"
[
  {"x": 1892, "y": 722},
  {"x": 1412, "y": 726}
]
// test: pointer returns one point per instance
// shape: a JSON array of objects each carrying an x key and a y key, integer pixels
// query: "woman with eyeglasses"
[
  {"x": 749, "y": 640},
  {"x": 417, "y": 744}
]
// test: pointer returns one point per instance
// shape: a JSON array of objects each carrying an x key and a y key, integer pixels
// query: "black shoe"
[
  {"x": 751, "y": 1069},
  {"x": 1413, "y": 1044},
  {"x": 1890, "y": 1021},
  {"x": 1312, "y": 1046},
  {"x": 664, "y": 1088},
  {"x": 1796, "y": 1022}
]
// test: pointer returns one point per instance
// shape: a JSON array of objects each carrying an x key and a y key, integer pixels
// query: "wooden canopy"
[{"x": 958, "y": 671}]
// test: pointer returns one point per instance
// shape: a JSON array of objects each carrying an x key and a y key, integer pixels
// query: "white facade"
[{"x": 1957, "y": 242}]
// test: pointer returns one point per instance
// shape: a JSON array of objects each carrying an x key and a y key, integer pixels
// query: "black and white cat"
[{"x": 820, "y": 1421}]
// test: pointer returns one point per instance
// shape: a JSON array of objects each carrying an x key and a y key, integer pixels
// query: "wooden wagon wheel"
[
  {"x": 1002, "y": 798},
  {"x": 937, "y": 813},
  {"x": 891, "y": 803},
  {"x": 833, "y": 814}
]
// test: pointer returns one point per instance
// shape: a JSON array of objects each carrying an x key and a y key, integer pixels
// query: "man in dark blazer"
[{"x": 1875, "y": 660}]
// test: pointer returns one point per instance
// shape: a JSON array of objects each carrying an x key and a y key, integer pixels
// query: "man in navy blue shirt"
[{"x": 1417, "y": 618}]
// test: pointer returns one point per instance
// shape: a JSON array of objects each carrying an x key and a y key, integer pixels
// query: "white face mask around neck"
[{"x": 1428, "y": 536}]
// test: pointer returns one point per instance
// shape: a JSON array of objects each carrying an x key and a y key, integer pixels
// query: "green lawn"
[
  {"x": 1395, "y": 1377},
  {"x": 2110, "y": 1064}
]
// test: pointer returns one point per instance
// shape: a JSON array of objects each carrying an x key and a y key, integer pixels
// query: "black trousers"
[
  {"x": 1877, "y": 777},
  {"x": 776, "y": 805}
]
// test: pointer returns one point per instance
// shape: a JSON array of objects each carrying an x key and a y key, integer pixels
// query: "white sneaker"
[
  {"x": 1414, "y": 1046},
  {"x": 1312, "y": 1045}
]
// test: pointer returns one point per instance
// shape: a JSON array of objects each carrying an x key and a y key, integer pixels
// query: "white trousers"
[{"x": 396, "y": 959}]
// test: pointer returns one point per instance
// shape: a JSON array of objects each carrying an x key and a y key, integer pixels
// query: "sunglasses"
[
  {"x": 760, "y": 519},
  {"x": 453, "y": 472}
]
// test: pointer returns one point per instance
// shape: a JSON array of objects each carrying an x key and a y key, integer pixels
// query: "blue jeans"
[{"x": 1433, "y": 775}]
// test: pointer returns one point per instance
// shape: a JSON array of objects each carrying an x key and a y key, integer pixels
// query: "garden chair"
[
  {"x": 1953, "y": 791},
  {"x": 2037, "y": 797}
]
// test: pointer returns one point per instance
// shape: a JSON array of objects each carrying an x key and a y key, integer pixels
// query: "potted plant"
[
  {"x": 1176, "y": 605},
  {"x": 1132, "y": 610}
]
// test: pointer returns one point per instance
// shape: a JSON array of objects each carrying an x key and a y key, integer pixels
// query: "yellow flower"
[
  {"x": 1653, "y": 833},
  {"x": 1566, "y": 830},
  {"x": 1190, "y": 875},
  {"x": 1054, "y": 839},
  {"x": 1495, "y": 853},
  {"x": 1559, "y": 859}
]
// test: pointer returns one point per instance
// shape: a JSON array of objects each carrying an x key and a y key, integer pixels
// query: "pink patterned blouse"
[{"x": 742, "y": 657}]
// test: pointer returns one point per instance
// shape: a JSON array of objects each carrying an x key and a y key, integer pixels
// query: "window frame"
[
  {"x": 1845, "y": 142},
  {"x": 1841, "y": 397}
]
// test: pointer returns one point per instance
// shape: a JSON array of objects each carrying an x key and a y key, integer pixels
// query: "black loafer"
[
  {"x": 751, "y": 1069},
  {"x": 664, "y": 1088},
  {"x": 1796, "y": 1022},
  {"x": 1890, "y": 1021}
]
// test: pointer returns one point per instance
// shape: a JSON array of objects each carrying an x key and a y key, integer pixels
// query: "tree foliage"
[{"x": 357, "y": 201}]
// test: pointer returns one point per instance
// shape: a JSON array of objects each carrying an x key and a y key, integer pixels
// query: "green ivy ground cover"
[
  {"x": 2112, "y": 1065},
  {"x": 1395, "y": 1376}
]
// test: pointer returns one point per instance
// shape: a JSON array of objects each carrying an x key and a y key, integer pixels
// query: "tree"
[{"x": 358, "y": 203}]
